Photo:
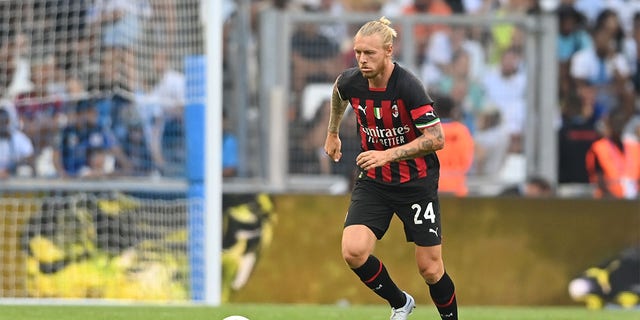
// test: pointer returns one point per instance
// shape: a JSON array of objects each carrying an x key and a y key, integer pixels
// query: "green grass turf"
[{"x": 303, "y": 312}]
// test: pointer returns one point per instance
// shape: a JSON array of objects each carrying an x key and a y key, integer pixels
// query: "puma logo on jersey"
[
  {"x": 430, "y": 113},
  {"x": 434, "y": 231},
  {"x": 363, "y": 109}
]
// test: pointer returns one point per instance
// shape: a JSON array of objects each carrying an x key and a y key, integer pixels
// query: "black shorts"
[{"x": 373, "y": 205}]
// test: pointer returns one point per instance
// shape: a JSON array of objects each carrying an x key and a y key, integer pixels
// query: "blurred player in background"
[
  {"x": 533, "y": 187},
  {"x": 615, "y": 281},
  {"x": 106, "y": 246},
  {"x": 247, "y": 231},
  {"x": 612, "y": 162},
  {"x": 456, "y": 159},
  {"x": 399, "y": 170}
]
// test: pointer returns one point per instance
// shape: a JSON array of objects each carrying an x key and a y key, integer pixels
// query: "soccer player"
[{"x": 399, "y": 134}]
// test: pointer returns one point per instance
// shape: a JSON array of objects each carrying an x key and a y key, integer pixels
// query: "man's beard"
[{"x": 367, "y": 75}]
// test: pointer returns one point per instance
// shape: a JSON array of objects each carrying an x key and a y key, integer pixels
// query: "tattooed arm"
[
  {"x": 333, "y": 145},
  {"x": 338, "y": 106},
  {"x": 432, "y": 139}
]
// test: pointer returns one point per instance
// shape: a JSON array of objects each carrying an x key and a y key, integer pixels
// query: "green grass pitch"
[{"x": 293, "y": 312}]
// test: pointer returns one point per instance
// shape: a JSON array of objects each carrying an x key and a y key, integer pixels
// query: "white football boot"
[{"x": 403, "y": 312}]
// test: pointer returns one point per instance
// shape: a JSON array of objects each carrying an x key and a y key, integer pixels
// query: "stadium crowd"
[
  {"x": 483, "y": 71},
  {"x": 92, "y": 89}
]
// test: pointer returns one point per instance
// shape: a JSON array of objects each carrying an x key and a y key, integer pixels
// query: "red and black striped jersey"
[{"x": 390, "y": 117}]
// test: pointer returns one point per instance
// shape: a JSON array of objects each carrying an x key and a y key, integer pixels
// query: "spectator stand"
[{"x": 538, "y": 31}]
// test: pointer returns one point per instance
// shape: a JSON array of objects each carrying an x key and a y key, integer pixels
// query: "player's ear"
[{"x": 389, "y": 50}]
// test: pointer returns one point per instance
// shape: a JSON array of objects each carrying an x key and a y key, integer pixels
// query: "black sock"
[
  {"x": 444, "y": 297},
  {"x": 375, "y": 276}
]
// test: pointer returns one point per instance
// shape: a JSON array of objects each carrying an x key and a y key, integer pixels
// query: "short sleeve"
[
  {"x": 425, "y": 116},
  {"x": 341, "y": 85},
  {"x": 418, "y": 103}
]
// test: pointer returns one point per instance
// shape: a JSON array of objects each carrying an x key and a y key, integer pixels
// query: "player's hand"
[
  {"x": 332, "y": 146},
  {"x": 372, "y": 159}
]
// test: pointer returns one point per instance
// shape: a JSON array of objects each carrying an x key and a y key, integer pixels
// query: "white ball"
[
  {"x": 235, "y": 318},
  {"x": 579, "y": 288}
]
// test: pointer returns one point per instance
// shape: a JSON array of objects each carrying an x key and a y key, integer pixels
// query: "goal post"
[
  {"x": 203, "y": 125},
  {"x": 213, "y": 182},
  {"x": 204, "y": 160},
  {"x": 213, "y": 153},
  {"x": 205, "y": 217}
]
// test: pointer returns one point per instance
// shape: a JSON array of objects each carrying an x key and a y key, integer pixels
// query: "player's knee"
[
  {"x": 354, "y": 256},
  {"x": 431, "y": 272}
]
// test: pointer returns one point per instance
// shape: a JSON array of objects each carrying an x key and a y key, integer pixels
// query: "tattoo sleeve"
[
  {"x": 337, "y": 110},
  {"x": 431, "y": 140}
]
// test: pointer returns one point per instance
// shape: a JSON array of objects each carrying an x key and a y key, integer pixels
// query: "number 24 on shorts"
[{"x": 420, "y": 216}]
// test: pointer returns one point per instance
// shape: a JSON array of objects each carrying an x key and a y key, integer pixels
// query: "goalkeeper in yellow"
[
  {"x": 248, "y": 229},
  {"x": 615, "y": 281},
  {"x": 87, "y": 247},
  {"x": 61, "y": 245}
]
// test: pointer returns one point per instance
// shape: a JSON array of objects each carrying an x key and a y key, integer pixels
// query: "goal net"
[
  {"x": 124, "y": 245},
  {"x": 125, "y": 60},
  {"x": 124, "y": 57},
  {"x": 108, "y": 246}
]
